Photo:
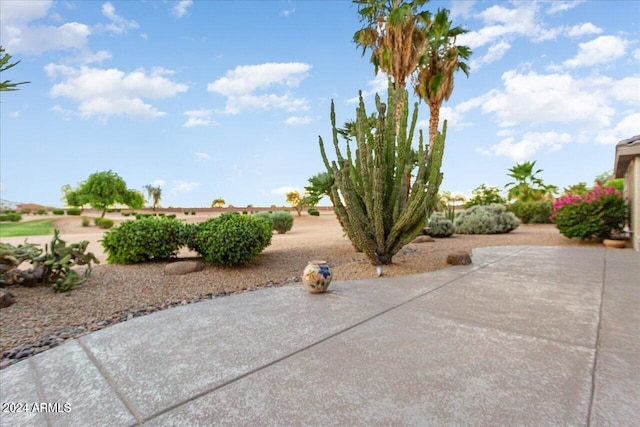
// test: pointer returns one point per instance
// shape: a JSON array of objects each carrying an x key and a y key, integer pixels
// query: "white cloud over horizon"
[
  {"x": 240, "y": 87},
  {"x": 181, "y": 8},
  {"x": 199, "y": 118}
]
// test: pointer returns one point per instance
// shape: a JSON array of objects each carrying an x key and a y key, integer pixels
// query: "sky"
[{"x": 227, "y": 99}]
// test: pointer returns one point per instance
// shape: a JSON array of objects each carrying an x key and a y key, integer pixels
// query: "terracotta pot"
[
  {"x": 316, "y": 277},
  {"x": 614, "y": 244}
]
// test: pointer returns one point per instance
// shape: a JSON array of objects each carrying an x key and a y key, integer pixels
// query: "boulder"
[
  {"x": 423, "y": 239},
  {"x": 459, "y": 258},
  {"x": 6, "y": 298},
  {"x": 183, "y": 267}
]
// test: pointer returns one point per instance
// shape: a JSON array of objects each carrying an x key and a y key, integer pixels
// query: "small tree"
[
  {"x": 319, "y": 186},
  {"x": 527, "y": 187},
  {"x": 218, "y": 203},
  {"x": 485, "y": 195},
  {"x": 297, "y": 201},
  {"x": 154, "y": 193},
  {"x": 4, "y": 66},
  {"x": 102, "y": 190}
]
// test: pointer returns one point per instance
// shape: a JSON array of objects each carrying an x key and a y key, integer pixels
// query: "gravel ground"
[{"x": 42, "y": 319}]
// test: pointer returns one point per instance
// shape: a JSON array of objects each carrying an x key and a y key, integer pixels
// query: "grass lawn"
[{"x": 38, "y": 227}]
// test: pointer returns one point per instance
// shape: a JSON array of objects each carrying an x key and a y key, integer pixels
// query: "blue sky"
[{"x": 227, "y": 98}]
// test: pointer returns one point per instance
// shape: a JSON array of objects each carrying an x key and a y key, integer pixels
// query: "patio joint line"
[
  {"x": 327, "y": 338},
  {"x": 39, "y": 389},
  {"x": 597, "y": 346},
  {"x": 127, "y": 403}
]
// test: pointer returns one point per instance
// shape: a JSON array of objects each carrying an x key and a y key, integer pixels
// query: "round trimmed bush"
[
  {"x": 104, "y": 223},
  {"x": 85, "y": 222},
  {"x": 142, "y": 240},
  {"x": 58, "y": 211},
  {"x": 74, "y": 211},
  {"x": 282, "y": 221},
  {"x": 230, "y": 239},
  {"x": 265, "y": 215},
  {"x": 486, "y": 219},
  {"x": 439, "y": 226},
  {"x": 532, "y": 212},
  {"x": 313, "y": 212},
  {"x": 11, "y": 216}
]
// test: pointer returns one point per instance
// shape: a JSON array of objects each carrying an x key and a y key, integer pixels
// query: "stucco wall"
[{"x": 632, "y": 194}]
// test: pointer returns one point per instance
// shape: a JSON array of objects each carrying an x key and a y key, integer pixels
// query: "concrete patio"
[{"x": 534, "y": 336}]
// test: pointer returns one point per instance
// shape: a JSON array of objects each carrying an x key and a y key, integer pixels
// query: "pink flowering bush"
[{"x": 600, "y": 213}]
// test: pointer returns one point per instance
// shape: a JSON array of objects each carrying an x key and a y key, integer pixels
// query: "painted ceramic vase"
[{"x": 316, "y": 277}]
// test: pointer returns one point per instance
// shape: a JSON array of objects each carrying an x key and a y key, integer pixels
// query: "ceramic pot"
[
  {"x": 316, "y": 277},
  {"x": 617, "y": 244}
]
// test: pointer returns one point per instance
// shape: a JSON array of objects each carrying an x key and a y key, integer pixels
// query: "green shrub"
[
  {"x": 486, "y": 219},
  {"x": 58, "y": 211},
  {"x": 104, "y": 223},
  {"x": 41, "y": 212},
  {"x": 85, "y": 222},
  {"x": 24, "y": 211},
  {"x": 485, "y": 195},
  {"x": 170, "y": 216},
  {"x": 74, "y": 211},
  {"x": 265, "y": 215},
  {"x": 313, "y": 212},
  {"x": 439, "y": 226},
  {"x": 601, "y": 213},
  {"x": 282, "y": 221},
  {"x": 142, "y": 240},
  {"x": 186, "y": 212},
  {"x": 193, "y": 212},
  {"x": 11, "y": 216},
  {"x": 126, "y": 213},
  {"x": 230, "y": 239},
  {"x": 532, "y": 212}
]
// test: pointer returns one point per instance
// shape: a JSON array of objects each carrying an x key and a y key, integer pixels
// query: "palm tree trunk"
[{"x": 434, "y": 119}]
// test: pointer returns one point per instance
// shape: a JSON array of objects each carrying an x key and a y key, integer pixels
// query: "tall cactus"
[{"x": 370, "y": 189}]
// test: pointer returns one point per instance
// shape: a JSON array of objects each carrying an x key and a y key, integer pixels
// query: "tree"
[
  {"x": 4, "y": 66},
  {"x": 104, "y": 189},
  {"x": 298, "y": 202},
  {"x": 369, "y": 189},
  {"x": 319, "y": 186},
  {"x": 154, "y": 193},
  {"x": 485, "y": 195},
  {"x": 527, "y": 187},
  {"x": 218, "y": 203},
  {"x": 441, "y": 58}
]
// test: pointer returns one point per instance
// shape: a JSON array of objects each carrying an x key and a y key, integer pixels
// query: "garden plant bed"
[{"x": 42, "y": 319}]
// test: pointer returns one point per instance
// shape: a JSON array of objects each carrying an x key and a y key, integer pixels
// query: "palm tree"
[
  {"x": 441, "y": 58},
  {"x": 4, "y": 66},
  {"x": 395, "y": 32},
  {"x": 527, "y": 187}
]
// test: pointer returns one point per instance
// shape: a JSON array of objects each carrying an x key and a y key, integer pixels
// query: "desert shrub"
[
  {"x": 230, "y": 239},
  {"x": 186, "y": 212},
  {"x": 486, "y": 219},
  {"x": 193, "y": 212},
  {"x": 439, "y": 226},
  {"x": 313, "y": 212},
  {"x": 126, "y": 213},
  {"x": 56, "y": 266},
  {"x": 485, "y": 195},
  {"x": 25, "y": 211},
  {"x": 245, "y": 213},
  {"x": 58, "y": 211},
  {"x": 265, "y": 215},
  {"x": 104, "y": 223},
  {"x": 532, "y": 212},
  {"x": 600, "y": 213},
  {"x": 41, "y": 212},
  {"x": 144, "y": 215},
  {"x": 85, "y": 222},
  {"x": 142, "y": 240},
  {"x": 74, "y": 211},
  {"x": 171, "y": 216},
  {"x": 11, "y": 216},
  {"x": 282, "y": 221}
]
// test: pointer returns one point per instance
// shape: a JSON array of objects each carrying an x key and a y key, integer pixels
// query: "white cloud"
[
  {"x": 287, "y": 12},
  {"x": 626, "y": 128},
  {"x": 118, "y": 25},
  {"x": 562, "y": 6},
  {"x": 298, "y": 120},
  {"x": 461, "y": 8},
  {"x": 378, "y": 85},
  {"x": 241, "y": 84},
  {"x": 159, "y": 183},
  {"x": 179, "y": 186},
  {"x": 21, "y": 12},
  {"x": 38, "y": 39},
  {"x": 530, "y": 143},
  {"x": 494, "y": 53},
  {"x": 284, "y": 190},
  {"x": 198, "y": 118},
  {"x": 107, "y": 92},
  {"x": 14, "y": 114},
  {"x": 601, "y": 50},
  {"x": 181, "y": 8},
  {"x": 583, "y": 29},
  {"x": 546, "y": 98},
  {"x": 201, "y": 157}
]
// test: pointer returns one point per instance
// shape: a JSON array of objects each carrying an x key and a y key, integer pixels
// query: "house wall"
[{"x": 632, "y": 194}]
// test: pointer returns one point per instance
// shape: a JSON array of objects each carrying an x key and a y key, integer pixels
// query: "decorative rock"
[
  {"x": 6, "y": 298},
  {"x": 423, "y": 239},
  {"x": 459, "y": 258},
  {"x": 183, "y": 267}
]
